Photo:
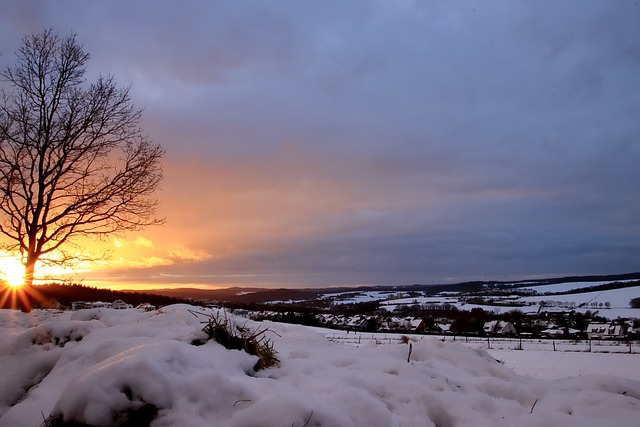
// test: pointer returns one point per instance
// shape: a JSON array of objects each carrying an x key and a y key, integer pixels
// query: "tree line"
[{"x": 46, "y": 296}]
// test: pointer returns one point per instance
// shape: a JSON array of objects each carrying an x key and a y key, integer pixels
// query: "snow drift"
[{"x": 127, "y": 367}]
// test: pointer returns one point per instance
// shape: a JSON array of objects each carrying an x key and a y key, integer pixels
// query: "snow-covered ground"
[
  {"x": 358, "y": 297},
  {"x": 569, "y": 286},
  {"x": 558, "y": 364},
  {"x": 95, "y": 366},
  {"x": 611, "y": 303}
]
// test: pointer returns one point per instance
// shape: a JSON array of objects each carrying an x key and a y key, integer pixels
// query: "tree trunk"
[
  {"x": 29, "y": 270},
  {"x": 25, "y": 298}
]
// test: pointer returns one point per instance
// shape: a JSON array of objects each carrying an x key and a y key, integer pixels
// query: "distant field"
[{"x": 610, "y": 303}]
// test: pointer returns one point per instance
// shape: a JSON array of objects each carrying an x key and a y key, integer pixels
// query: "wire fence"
[{"x": 496, "y": 343}]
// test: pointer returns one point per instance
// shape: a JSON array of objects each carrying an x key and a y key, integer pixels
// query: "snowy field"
[
  {"x": 617, "y": 300},
  {"x": 98, "y": 366},
  {"x": 542, "y": 359},
  {"x": 569, "y": 286},
  {"x": 492, "y": 343}
]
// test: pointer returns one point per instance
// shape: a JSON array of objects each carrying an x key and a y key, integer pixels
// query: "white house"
[
  {"x": 444, "y": 328},
  {"x": 359, "y": 323},
  {"x": 499, "y": 327},
  {"x": 604, "y": 331},
  {"x": 100, "y": 304},
  {"x": 327, "y": 319},
  {"x": 120, "y": 305},
  {"x": 415, "y": 325}
]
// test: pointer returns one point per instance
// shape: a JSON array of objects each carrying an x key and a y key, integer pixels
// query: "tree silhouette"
[{"x": 73, "y": 158}]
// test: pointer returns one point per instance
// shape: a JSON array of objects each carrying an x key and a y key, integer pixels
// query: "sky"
[{"x": 371, "y": 142}]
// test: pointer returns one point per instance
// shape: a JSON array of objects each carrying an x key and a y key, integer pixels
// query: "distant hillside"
[
  {"x": 203, "y": 294},
  {"x": 245, "y": 295},
  {"x": 260, "y": 295},
  {"x": 568, "y": 279}
]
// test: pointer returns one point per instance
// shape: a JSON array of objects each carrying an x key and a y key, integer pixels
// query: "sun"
[{"x": 11, "y": 271}]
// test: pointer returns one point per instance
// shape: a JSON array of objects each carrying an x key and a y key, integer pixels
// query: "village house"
[
  {"x": 605, "y": 331},
  {"x": 416, "y": 325},
  {"x": 100, "y": 304},
  {"x": 83, "y": 305},
  {"x": 443, "y": 328},
  {"x": 358, "y": 323},
  {"x": 327, "y": 320},
  {"x": 80, "y": 305},
  {"x": 392, "y": 324},
  {"x": 120, "y": 305},
  {"x": 146, "y": 306},
  {"x": 499, "y": 327}
]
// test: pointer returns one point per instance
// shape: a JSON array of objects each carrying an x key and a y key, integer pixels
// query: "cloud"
[
  {"x": 139, "y": 241},
  {"x": 184, "y": 254},
  {"x": 372, "y": 141},
  {"x": 141, "y": 262}
]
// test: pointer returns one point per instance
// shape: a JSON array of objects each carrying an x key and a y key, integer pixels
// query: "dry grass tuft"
[{"x": 239, "y": 337}]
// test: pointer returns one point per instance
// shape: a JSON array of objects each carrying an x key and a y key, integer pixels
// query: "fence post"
[
  {"x": 554, "y": 345},
  {"x": 488, "y": 342}
]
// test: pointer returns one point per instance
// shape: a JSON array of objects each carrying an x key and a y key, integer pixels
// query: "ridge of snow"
[{"x": 117, "y": 360}]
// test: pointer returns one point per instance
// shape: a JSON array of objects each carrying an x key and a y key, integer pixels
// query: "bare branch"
[{"x": 74, "y": 160}]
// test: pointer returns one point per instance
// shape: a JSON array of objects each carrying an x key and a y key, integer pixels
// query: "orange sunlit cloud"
[{"x": 142, "y": 252}]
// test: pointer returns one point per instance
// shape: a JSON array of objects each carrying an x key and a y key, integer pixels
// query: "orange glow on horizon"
[
  {"x": 114, "y": 264},
  {"x": 133, "y": 286}
]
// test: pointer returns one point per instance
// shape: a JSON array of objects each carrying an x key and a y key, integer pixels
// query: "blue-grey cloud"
[{"x": 374, "y": 141}]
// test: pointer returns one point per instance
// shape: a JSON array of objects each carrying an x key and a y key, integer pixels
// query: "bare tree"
[{"x": 73, "y": 159}]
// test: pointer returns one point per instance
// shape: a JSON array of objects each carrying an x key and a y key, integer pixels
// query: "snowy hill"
[
  {"x": 611, "y": 303},
  {"x": 98, "y": 367}
]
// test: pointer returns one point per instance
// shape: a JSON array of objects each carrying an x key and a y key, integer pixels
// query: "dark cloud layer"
[{"x": 320, "y": 143}]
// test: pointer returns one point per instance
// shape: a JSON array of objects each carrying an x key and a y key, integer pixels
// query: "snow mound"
[{"x": 128, "y": 367}]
